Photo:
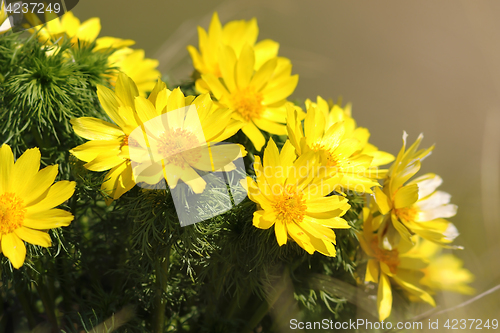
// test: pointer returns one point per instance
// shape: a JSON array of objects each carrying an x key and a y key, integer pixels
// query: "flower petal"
[
  {"x": 95, "y": 129},
  {"x": 6, "y": 165},
  {"x": 56, "y": 195},
  {"x": 34, "y": 237},
  {"x": 14, "y": 249},
  {"x": 49, "y": 219}
]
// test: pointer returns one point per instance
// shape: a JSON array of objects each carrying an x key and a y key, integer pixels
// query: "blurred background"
[{"x": 421, "y": 66}]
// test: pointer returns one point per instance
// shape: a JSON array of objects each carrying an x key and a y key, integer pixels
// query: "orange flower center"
[
  {"x": 124, "y": 141},
  {"x": 289, "y": 206},
  {"x": 248, "y": 103},
  {"x": 389, "y": 257},
  {"x": 12, "y": 213},
  {"x": 406, "y": 213},
  {"x": 331, "y": 159},
  {"x": 180, "y": 146}
]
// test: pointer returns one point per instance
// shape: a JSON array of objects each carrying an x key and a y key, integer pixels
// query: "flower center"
[
  {"x": 12, "y": 213},
  {"x": 389, "y": 257},
  {"x": 406, "y": 213},
  {"x": 289, "y": 206},
  {"x": 124, "y": 141},
  {"x": 331, "y": 159},
  {"x": 248, "y": 103},
  {"x": 180, "y": 146}
]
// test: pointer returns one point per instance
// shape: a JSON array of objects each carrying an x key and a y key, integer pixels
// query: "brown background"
[{"x": 420, "y": 66}]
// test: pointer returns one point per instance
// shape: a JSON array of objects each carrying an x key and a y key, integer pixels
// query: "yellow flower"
[
  {"x": 140, "y": 69},
  {"x": 108, "y": 148},
  {"x": 257, "y": 98},
  {"x": 340, "y": 148},
  {"x": 70, "y": 26},
  {"x": 334, "y": 113},
  {"x": 292, "y": 195},
  {"x": 27, "y": 200},
  {"x": 180, "y": 132},
  {"x": 399, "y": 266},
  {"x": 414, "y": 207},
  {"x": 445, "y": 271},
  {"x": 5, "y": 24},
  {"x": 235, "y": 34},
  {"x": 131, "y": 62}
]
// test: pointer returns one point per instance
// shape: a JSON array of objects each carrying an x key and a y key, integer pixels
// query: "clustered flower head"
[{"x": 302, "y": 183}]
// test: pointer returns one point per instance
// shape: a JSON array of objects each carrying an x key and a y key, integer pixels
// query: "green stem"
[
  {"x": 265, "y": 306},
  {"x": 25, "y": 304},
  {"x": 237, "y": 303},
  {"x": 159, "y": 302},
  {"x": 47, "y": 303}
]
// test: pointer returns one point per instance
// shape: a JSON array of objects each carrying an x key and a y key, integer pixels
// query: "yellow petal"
[
  {"x": 25, "y": 168},
  {"x": 89, "y": 30},
  {"x": 227, "y": 65},
  {"x": 300, "y": 237},
  {"x": 270, "y": 126},
  {"x": 14, "y": 249},
  {"x": 126, "y": 90},
  {"x": 281, "y": 233},
  {"x": 95, "y": 129},
  {"x": 264, "y": 50},
  {"x": 384, "y": 297},
  {"x": 216, "y": 87},
  {"x": 56, "y": 195},
  {"x": 49, "y": 219},
  {"x": 104, "y": 161},
  {"x": 112, "y": 182},
  {"x": 91, "y": 149},
  {"x": 280, "y": 91},
  {"x": 329, "y": 222},
  {"x": 255, "y": 135},
  {"x": 193, "y": 180},
  {"x": 110, "y": 103},
  {"x": 6, "y": 165},
  {"x": 34, "y": 237},
  {"x": 382, "y": 201},
  {"x": 244, "y": 67},
  {"x": 406, "y": 196},
  {"x": 263, "y": 220},
  {"x": 372, "y": 271},
  {"x": 40, "y": 183},
  {"x": 272, "y": 161},
  {"x": 262, "y": 76},
  {"x": 287, "y": 156}
]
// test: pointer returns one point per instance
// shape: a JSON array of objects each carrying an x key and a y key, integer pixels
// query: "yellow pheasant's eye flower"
[
  {"x": 131, "y": 62},
  {"x": 414, "y": 207},
  {"x": 400, "y": 266},
  {"x": 27, "y": 200},
  {"x": 256, "y": 98},
  {"x": 109, "y": 145},
  {"x": 342, "y": 151},
  {"x": 292, "y": 194},
  {"x": 140, "y": 69},
  {"x": 178, "y": 136},
  {"x": 235, "y": 34},
  {"x": 445, "y": 271},
  {"x": 334, "y": 113}
]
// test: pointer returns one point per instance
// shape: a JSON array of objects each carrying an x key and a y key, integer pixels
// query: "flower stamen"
[
  {"x": 12, "y": 213},
  {"x": 248, "y": 103}
]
